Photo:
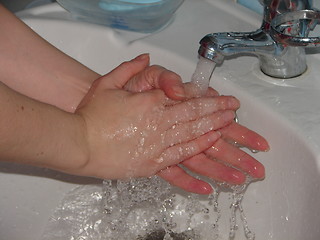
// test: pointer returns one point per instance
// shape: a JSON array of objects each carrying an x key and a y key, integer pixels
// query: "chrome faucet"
[{"x": 279, "y": 43}]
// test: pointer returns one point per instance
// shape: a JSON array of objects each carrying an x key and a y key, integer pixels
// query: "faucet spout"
[
  {"x": 279, "y": 43},
  {"x": 217, "y": 46}
]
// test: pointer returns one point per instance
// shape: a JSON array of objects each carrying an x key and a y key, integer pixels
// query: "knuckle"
[
  {"x": 193, "y": 109},
  {"x": 202, "y": 126},
  {"x": 152, "y": 72},
  {"x": 186, "y": 150},
  {"x": 194, "y": 129},
  {"x": 228, "y": 102},
  {"x": 152, "y": 98},
  {"x": 126, "y": 66}
]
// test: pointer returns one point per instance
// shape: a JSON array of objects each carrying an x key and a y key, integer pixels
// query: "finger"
[
  {"x": 118, "y": 77},
  {"x": 212, "y": 92},
  {"x": 89, "y": 94},
  {"x": 179, "y": 152},
  {"x": 194, "y": 129},
  {"x": 198, "y": 107},
  {"x": 176, "y": 176},
  {"x": 188, "y": 88},
  {"x": 191, "y": 92},
  {"x": 244, "y": 137},
  {"x": 237, "y": 158},
  {"x": 171, "y": 84},
  {"x": 210, "y": 168},
  {"x": 158, "y": 77}
]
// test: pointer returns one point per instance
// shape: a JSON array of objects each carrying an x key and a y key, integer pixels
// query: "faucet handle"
[{"x": 293, "y": 28}]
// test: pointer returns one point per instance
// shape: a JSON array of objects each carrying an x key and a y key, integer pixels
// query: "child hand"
[{"x": 139, "y": 134}]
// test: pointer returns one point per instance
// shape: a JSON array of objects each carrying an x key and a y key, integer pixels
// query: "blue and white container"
[{"x": 134, "y": 15}]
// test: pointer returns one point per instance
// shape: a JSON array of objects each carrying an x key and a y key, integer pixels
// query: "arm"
[
  {"x": 46, "y": 74},
  {"x": 114, "y": 134},
  {"x": 39, "y": 134},
  {"x": 35, "y": 68}
]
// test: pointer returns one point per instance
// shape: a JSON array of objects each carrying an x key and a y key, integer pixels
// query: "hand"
[
  {"x": 138, "y": 134},
  {"x": 215, "y": 162}
]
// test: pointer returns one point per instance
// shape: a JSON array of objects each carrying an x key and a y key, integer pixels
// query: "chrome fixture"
[{"x": 279, "y": 43}]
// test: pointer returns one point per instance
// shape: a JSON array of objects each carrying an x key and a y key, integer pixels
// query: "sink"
[{"x": 283, "y": 206}]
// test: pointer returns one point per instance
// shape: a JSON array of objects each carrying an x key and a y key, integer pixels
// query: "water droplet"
[{"x": 113, "y": 213}]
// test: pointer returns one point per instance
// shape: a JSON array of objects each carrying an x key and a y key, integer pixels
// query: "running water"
[
  {"x": 202, "y": 75},
  {"x": 236, "y": 206},
  {"x": 148, "y": 208},
  {"x": 201, "y": 80}
]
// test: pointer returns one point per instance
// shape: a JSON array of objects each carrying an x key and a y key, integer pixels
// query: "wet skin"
[
  {"x": 63, "y": 82},
  {"x": 223, "y": 161}
]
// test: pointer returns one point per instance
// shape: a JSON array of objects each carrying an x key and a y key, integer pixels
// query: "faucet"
[{"x": 279, "y": 43}]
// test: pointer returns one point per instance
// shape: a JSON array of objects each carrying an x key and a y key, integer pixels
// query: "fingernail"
[
  {"x": 255, "y": 170},
  {"x": 233, "y": 102},
  {"x": 179, "y": 91},
  {"x": 237, "y": 178},
  {"x": 262, "y": 146},
  {"x": 259, "y": 171},
  {"x": 228, "y": 115},
  {"x": 205, "y": 190},
  {"x": 214, "y": 136},
  {"x": 142, "y": 57}
]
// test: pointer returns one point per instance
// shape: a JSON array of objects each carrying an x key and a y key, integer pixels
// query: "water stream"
[
  {"x": 202, "y": 75},
  {"x": 148, "y": 208},
  {"x": 201, "y": 80}
]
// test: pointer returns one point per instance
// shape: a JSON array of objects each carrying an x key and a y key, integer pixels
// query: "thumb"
[
  {"x": 119, "y": 76},
  {"x": 157, "y": 77}
]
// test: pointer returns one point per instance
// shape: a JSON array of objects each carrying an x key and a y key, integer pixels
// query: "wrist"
[
  {"x": 71, "y": 146},
  {"x": 63, "y": 145},
  {"x": 79, "y": 154}
]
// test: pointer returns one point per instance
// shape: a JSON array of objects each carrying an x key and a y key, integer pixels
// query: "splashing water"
[
  {"x": 148, "y": 208},
  {"x": 237, "y": 196},
  {"x": 138, "y": 209}
]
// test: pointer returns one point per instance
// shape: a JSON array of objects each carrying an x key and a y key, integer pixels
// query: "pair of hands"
[{"x": 141, "y": 120}]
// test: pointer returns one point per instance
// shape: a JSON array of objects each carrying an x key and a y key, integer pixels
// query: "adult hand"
[
  {"x": 138, "y": 134},
  {"x": 223, "y": 161}
]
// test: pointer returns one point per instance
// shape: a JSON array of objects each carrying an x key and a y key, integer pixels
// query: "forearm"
[
  {"x": 33, "y": 67},
  {"x": 39, "y": 134}
]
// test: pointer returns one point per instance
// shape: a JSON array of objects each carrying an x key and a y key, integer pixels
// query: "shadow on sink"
[{"x": 19, "y": 169}]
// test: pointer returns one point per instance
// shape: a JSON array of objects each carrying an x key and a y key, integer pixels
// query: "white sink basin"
[{"x": 283, "y": 206}]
